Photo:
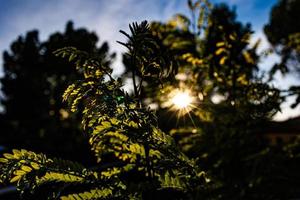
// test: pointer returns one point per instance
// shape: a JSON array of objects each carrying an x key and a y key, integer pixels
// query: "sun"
[{"x": 182, "y": 100}]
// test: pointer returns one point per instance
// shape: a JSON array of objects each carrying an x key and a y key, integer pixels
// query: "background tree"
[
  {"x": 283, "y": 32},
  {"x": 215, "y": 59},
  {"x": 34, "y": 80}
]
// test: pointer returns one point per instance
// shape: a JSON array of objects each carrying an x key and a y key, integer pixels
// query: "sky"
[{"x": 107, "y": 17}]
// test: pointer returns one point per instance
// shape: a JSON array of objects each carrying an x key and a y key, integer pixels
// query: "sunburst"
[{"x": 181, "y": 100}]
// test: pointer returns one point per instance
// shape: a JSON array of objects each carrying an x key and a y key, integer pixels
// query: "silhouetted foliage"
[
  {"x": 34, "y": 116},
  {"x": 282, "y": 32}
]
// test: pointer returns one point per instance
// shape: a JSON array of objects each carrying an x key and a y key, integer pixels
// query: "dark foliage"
[
  {"x": 283, "y": 32},
  {"x": 34, "y": 116}
]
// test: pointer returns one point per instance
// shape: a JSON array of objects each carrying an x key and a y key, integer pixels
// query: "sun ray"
[{"x": 192, "y": 119}]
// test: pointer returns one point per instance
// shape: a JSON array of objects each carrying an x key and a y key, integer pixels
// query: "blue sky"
[{"x": 107, "y": 17}]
